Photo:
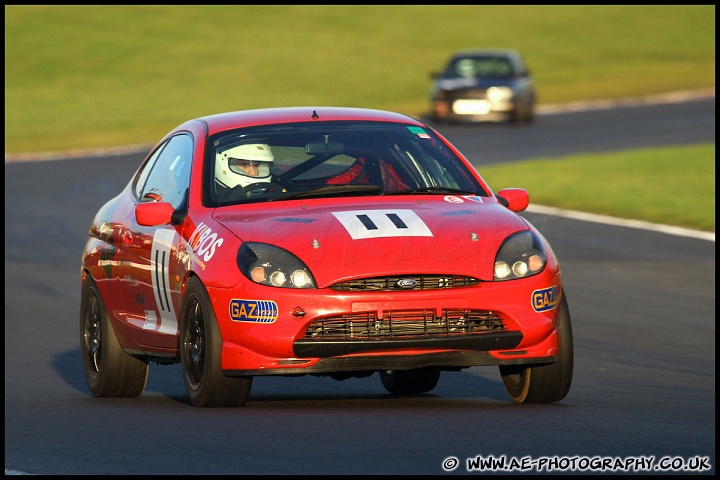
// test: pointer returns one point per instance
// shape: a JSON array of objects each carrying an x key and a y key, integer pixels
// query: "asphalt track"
[{"x": 642, "y": 304}]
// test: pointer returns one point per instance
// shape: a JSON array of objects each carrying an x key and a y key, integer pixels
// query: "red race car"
[{"x": 329, "y": 241}]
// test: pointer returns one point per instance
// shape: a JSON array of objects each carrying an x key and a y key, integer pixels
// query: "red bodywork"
[{"x": 141, "y": 272}]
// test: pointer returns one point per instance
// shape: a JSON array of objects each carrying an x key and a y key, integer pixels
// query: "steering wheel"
[
  {"x": 260, "y": 188},
  {"x": 151, "y": 197}
]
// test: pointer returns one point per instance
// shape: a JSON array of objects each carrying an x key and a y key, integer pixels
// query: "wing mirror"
[
  {"x": 515, "y": 199},
  {"x": 154, "y": 213}
]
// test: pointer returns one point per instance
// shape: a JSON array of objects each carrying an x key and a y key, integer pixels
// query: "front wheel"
[
  {"x": 200, "y": 349},
  {"x": 109, "y": 370},
  {"x": 410, "y": 382},
  {"x": 544, "y": 383},
  {"x": 530, "y": 117}
]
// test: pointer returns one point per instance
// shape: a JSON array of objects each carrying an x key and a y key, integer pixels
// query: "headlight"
[
  {"x": 499, "y": 94},
  {"x": 269, "y": 265},
  {"x": 521, "y": 255}
]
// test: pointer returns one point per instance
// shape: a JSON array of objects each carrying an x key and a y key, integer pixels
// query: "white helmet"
[{"x": 229, "y": 174}]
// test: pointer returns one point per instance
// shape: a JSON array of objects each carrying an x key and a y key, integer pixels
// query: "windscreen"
[
  {"x": 333, "y": 159},
  {"x": 479, "y": 67}
]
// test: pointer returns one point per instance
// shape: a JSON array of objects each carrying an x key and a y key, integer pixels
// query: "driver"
[{"x": 243, "y": 165}]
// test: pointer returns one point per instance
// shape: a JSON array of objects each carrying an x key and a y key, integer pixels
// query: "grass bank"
[
  {"x": 98, "y": 76},
  {"x": 674, "y": 186}
]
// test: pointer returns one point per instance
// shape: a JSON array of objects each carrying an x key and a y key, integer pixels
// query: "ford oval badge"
[{"x": 406, "y": 283}]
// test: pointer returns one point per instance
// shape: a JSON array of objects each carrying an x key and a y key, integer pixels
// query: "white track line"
[{"x": 622, "y": 222}]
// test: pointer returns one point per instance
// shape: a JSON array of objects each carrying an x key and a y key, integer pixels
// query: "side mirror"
[
  {"x": 515, "y": 199},
  {"x": 154, "y": 213}
]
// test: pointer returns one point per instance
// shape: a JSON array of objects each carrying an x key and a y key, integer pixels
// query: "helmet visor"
[{"x": 249, "y": 168}]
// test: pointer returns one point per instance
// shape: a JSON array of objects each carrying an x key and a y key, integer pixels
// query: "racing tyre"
[
  {"x": 109, "y": 371},
  {"x": 410, "y": 382},
  {"x": 544, "y": 383},
  {"x": 200, "y": 349}
]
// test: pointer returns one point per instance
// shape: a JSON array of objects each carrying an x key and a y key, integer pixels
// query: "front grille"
[
  {"x": 471, "y": 94},
  {"x": 405, "y": 323},
  {"x": 421, "y": 282}
]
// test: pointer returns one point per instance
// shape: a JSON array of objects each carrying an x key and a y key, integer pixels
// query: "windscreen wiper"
[
  {"x": 432, "y": 190},
  {"x": 331, "y": 191}
]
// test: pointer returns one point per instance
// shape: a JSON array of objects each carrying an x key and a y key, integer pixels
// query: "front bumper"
[
  {"x": 471, "y": 110},
  {"x": 477, "y": 342},
  {"x": 311, "y": 331},
  {"x": 449, "y": 360}
]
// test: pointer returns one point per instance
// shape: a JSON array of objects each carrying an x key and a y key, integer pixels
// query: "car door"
[{"x": 153, "y": 272}]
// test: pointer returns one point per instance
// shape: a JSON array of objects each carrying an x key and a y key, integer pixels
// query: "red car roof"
[{"x": 223, "y": 121}]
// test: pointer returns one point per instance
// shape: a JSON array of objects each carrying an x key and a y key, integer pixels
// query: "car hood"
[
  {"x": 464, "y": 83},
  {"x": 370, "y": 237}
]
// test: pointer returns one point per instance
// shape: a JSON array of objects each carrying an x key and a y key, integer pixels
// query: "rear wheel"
[
  {"x": 544, "y": 383},
  {"x": 410, "y": 382},
  {"x": 109, "y": 371},
  {"x": 200, "y": 349}
]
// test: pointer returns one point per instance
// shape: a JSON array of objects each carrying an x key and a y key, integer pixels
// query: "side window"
[
  {"x": 169, "y": 173},
  {"x": 143, "y": 174}
]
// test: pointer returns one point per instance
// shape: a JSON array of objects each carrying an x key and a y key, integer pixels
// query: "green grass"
[
  {"x": 673, "y": 186},
  {"x": 101, "y": 76},
  {"x": 94, "y": 76}
]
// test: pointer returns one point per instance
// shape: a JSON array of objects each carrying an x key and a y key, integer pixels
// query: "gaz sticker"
[
  {"x": 255, "y": 311},
  {"x": 545, "y": 299}
]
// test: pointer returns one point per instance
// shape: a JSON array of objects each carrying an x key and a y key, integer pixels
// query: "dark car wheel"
[
  {"x": 530, "y": 118},
  {"x": 410, "y": 382},
  {"x": 544, "y": 383},
  {"x": 200, "y": 349},
  {"x": 109, "y": 371},
  {"x": 523, "y": 113}
]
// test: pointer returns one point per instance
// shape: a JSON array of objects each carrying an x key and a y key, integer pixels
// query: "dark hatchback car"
[{"x": 483, "y": 85}]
